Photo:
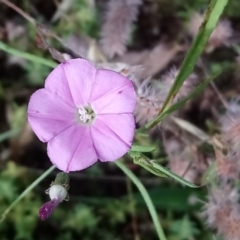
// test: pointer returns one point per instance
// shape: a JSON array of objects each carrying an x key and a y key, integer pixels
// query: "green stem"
[
  {"x": 26, "y": 191},
  {"x": 9, "y": 134},
  {"x": 146, "y": 198},
  {"x": 27, "y": 56}
]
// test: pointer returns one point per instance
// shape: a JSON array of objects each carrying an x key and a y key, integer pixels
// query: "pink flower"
[{"x": 84, "y": 114}]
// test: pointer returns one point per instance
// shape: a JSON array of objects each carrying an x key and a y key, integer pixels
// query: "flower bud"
[{"x": 57, "y": 193}]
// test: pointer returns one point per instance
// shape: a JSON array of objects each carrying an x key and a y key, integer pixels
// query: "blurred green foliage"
[
  {"x": 82, "y": 17},
  {"x": 94, "y": 217}
]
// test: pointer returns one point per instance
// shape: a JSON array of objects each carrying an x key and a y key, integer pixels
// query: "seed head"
[
  {"x": 169, "y": 78},
  {"x": 230, "y": 125},
  {"x": 150, "y": 97},
  {"x": 223, "y": 212},
  {"x": 182, "y": 160},
  {"x": 220, "y": 35}
]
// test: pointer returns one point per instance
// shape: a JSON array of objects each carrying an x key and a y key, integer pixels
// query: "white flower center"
[{"x": 86, "y": 114}]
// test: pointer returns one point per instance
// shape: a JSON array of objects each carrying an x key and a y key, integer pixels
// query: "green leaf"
[
  {"x": 138, "y": 148},
  {"x": 157, "y": 169},
  {"x": 173, "y": 175},
  {"x": 168, "y": 194},
  {"x": 140, "y": 159},
  {"x": 27, "y": 56},
  {"x": 184, "y": 228},
  {"x": 210, "y": 21},
  {"x": 212, "y": 15}
]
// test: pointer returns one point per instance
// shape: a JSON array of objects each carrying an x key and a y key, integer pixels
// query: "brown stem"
[
  {"x": 32, "y": 20},
  {"x": 20, "y": 11},
  {"x": 213, "y": 85}
]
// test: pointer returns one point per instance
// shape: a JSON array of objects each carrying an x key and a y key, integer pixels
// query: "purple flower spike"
[
  {"x": 84, "y": 114},
  {"x": 46, "y": 210}
]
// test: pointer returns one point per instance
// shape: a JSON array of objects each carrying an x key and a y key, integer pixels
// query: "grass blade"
[
  {"x": 27, "y": 56},
  {"x": 212, "y": 15}
]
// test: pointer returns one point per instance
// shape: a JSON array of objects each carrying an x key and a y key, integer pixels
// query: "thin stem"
[
  {"x": 20, "y": 11},
  {"x": 146, "y": 198},
  {"x": 220, "y": 96},
  {"x": 33, "y": 21},
  {"x": 26, "y": 191},
  {"x": 213, "y": 85},
  {"x": 190, "y": 163},
  {"x": 27, "y": 56}
]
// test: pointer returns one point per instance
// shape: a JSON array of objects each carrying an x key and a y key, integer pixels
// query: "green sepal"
[{"x": 62, "y": 179}]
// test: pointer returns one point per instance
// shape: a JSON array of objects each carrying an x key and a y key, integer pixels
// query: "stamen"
[{"x": 85, "y": 114}]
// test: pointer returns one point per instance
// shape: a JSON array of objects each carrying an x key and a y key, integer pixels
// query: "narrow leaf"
[
  {"x": 27, "y": 56},
  {"x": 212, "y": 15},
  {"x": 138, "y": 148},
  {"x": 157, "y": 169},
  {"x": 173, "y": 175},
  {"x": 141, "y": 160}
]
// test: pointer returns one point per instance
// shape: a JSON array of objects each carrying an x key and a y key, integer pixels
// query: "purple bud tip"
[{"x": 46, "y": 210}]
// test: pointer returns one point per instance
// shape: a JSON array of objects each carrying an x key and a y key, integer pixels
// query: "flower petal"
[
  {"x": 72, "y": 149},
  {"x": 80, "y": 75},
  {"x": 48, "y": 115},
  {"x": 112, "y": 93},
  {"x": 57, "y": 83},
  {"x": 113, "y": 135}
]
